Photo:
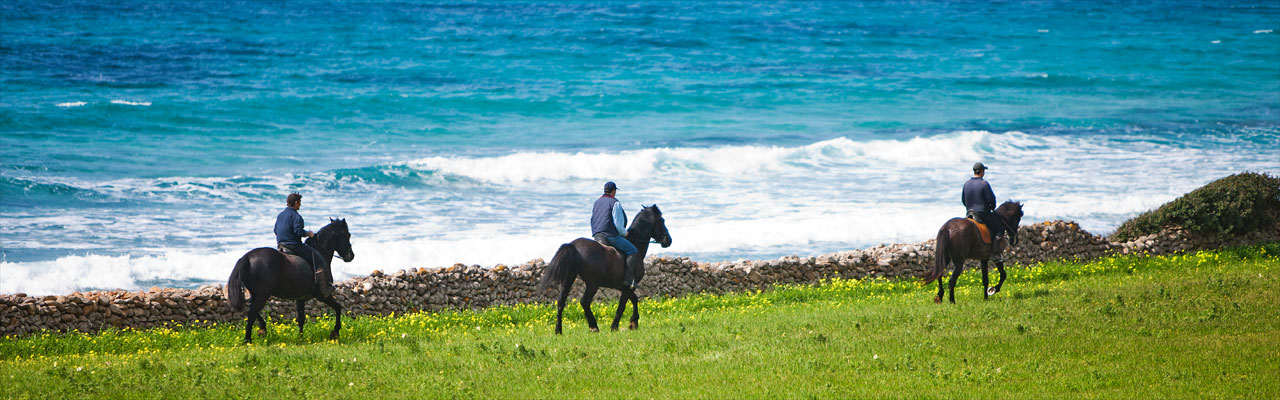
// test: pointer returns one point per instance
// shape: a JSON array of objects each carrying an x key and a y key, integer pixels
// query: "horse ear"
[{"x": 332, "y": 220}]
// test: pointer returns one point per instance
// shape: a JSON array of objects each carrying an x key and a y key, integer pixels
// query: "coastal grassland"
[{"x": 1185, "y": 326}]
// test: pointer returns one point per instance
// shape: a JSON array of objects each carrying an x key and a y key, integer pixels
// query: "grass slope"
[{"x": 1187, "y": 326}]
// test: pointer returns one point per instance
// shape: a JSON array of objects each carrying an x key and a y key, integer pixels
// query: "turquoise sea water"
[{"x": 146, "y": 143}]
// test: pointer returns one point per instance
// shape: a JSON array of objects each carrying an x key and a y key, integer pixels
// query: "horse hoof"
[
  {"x": 614, "y": 328},
  {"x": 595, "y": 329},
  {"x": 992, "y": 292},
  {"x": 937, "y": 300},
  {"x": 333, "y": 336},
  {"x": 633, "y": 326}
]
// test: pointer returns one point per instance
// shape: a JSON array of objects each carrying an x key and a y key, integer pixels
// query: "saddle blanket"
[{"x": 982, "y": 231}]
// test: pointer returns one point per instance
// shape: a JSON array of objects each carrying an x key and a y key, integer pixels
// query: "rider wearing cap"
[
  {"x": 980, "y": 203},
  {"x": 609, "y": 225}
]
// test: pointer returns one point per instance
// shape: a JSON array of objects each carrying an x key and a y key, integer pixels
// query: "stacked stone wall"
[{"x": 463, "y": 287}]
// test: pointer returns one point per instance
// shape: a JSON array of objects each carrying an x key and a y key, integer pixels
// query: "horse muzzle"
[{"x": 348, "y": 257}]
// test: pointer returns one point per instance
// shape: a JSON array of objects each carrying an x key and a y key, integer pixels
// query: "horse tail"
[
  {"x": 940, "y": 256},
  {"x": 235, "y": 284},
  {"x": 563, "y": 265}
]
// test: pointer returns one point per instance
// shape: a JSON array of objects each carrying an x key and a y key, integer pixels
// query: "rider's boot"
[
  {"x": 629, "y": 271},
  {"x": 324, "y": 282},
  {"x": 997, "y": 249},
  {"x": 323, "y": 285}
]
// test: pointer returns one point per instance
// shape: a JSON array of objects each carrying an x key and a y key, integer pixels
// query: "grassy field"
[{"x": 1188, "y": 326}]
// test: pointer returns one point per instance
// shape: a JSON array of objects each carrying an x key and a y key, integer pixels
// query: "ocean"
[{"x": 149, "y": 143}]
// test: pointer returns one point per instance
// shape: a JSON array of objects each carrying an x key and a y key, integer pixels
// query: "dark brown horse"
[
  {"x": 601, "y": 266},
  {"x": 267, "y": 272},
  {"x": 959, "y": 240}
]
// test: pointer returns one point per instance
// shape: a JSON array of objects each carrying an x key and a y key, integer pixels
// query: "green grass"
[{"x": 1186, "y": 326}]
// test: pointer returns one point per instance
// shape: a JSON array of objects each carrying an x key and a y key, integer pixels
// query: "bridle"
[{"x": 1013, "y": 235}]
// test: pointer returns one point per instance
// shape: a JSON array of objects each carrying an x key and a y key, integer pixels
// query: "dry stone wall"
[{"x": 462, "y": 286}]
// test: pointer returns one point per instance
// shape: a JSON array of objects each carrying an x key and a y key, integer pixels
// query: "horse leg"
[
  {"x": 955, "y": 274},
  {"x": 564, "y": 295},
  {"x": 999, "y": 267},
  {"x": 588, "y": 295},
  {"x": 302, "y": 315},
  {"x": 635, "y": 310},
  {"x": 622, "y": 307},
  {"x": 255, "y": 306},
  {"x": 941, "y": 289},
  {"x": 985, "y": 281},
  {"x": 337, "y": 315},
  {"x": 262, "y": 325}
]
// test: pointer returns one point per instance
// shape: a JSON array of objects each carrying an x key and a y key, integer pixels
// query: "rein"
[{"x": 1013, "y": 236}]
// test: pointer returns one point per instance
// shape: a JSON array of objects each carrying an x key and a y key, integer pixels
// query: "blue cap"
[{"x": 610, "y": 186}]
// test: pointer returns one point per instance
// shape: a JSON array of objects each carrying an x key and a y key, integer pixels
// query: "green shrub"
[{"x": 1237, "y": 204}]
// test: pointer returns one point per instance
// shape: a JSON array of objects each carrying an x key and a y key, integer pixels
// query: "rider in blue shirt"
[
  {"x": 609, "y": 225},
  {"x": 289, "y": 233},
  {"x": 980, "y": 203}
]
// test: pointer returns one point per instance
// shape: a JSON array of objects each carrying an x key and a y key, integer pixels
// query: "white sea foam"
[
  {"x": 73, "y": 273},
  {"x": 719, "y": 203},
  {"x": 131, "y": 103},
  {"x": 70, "y": 104},
  {"x": 528, "y": 167},
  {"x": 800, "y": 229},
  {"x": 1262, "y": 31}
]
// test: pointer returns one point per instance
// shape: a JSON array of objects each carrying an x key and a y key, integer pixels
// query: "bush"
[{"x": 1237, "y": 204}]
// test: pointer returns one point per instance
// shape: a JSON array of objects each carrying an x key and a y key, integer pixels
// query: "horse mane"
[
  {"x": 1013, "y": 208},
  {"x": 644, "y": 210},
  {"x": 324, "y": 231}
]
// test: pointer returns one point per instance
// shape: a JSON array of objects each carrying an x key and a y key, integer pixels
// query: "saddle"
[
  {"x": 297, "y": 259},
  {"x": 608, "y": 247},
  {"x": 982, "y": 229},
  {"x": 603, "y": 240}
]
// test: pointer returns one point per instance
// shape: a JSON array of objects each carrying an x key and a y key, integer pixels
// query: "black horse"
[
  {"x": 959, "y": 240},
  {"x": 601, "y": 266},
  {"x": 267, "y": 272}
]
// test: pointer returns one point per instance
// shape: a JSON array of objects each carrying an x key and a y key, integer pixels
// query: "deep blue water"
[{"x": 153, "y": 142}]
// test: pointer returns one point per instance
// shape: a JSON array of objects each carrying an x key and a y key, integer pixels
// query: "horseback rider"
[
  {"x": 609, "y": 227},
  {"x": 980, "y": 204},
  {"x": 289, "y": 234}
]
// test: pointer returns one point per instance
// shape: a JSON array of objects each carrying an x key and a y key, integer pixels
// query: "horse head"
[
  {"x": 336, "y": 237},
  {"x": 1011, "y": 214},
  {"x": 658, "y": 232}
]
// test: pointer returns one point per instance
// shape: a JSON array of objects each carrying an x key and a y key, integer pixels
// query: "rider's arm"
[
  {"x": 619, "y": 219},
  {"x": 991, "y": 198},
  {"x": 297, "y": 226}
]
